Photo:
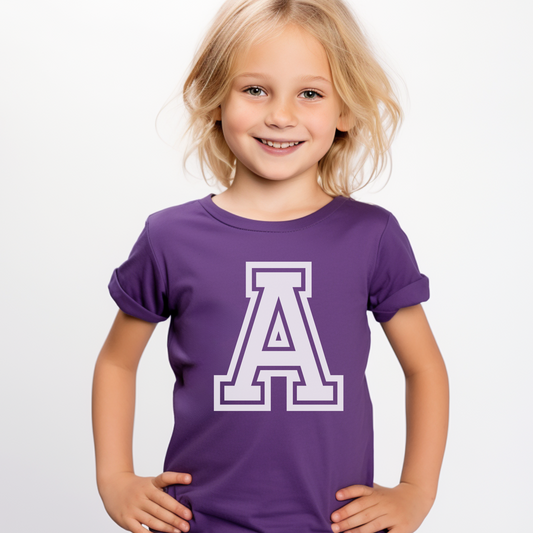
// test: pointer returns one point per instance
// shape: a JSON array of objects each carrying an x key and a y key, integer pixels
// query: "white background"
[{"x": 82, "y": 166}]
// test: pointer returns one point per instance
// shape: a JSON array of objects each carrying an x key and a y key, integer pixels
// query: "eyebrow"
[{"x": 264, "y": 76}]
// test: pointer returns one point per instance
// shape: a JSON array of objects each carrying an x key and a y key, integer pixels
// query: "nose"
[{"x": 281, "y": 114}]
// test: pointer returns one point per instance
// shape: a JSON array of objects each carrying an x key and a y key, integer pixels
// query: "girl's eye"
[
  {"x": 311, "y": 95},
  {"x": 254, "y": 91}
]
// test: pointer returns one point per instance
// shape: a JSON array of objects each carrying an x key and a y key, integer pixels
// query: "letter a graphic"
[{"x": 278, "y": 338}]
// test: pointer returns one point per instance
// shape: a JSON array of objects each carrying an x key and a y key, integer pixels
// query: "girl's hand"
[
  {"x": 398, "y": 510},
  {"x": 132, "y": 501}
]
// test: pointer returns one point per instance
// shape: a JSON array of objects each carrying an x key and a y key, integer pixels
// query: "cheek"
[
  {"x": 323, "y": 124},
  {"x": 235, "y": 118}
]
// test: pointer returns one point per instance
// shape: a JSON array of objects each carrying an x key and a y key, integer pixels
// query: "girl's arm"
[
  {"x": 129, "y": 499},
  {"x": 427, "y": 397},
  {"x": 404, "y": 507}
]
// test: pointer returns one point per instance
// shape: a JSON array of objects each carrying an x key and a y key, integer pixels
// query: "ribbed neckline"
[{"x": 270, "y": 225}]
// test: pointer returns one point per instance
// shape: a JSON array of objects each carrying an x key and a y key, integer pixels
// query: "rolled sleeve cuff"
[
  {"x": 127, "y": 304},
  {"x": 412, "y": 294}
]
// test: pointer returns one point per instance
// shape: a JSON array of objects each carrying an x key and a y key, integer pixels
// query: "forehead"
[{"x": 290, "y": 52}]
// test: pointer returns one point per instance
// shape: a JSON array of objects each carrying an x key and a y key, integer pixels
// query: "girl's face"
[{"x": 283, "y": 94}]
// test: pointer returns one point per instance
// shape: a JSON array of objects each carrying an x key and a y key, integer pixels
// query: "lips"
[{"x": 272, "y": 150}]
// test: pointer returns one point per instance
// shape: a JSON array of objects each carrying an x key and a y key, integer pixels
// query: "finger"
[
  {"x": 353, "y": 491},
  {"x": 379, "y": 524},
  {"x": 155, "y": 523},
  {"x": 354, "y": 507},
  {"x": 172, "y": 478},
  {"x": 134, "y": 526},
  {"x": 165, "y": 516},
  {"x": 358, "y": 520},
  {"x": 171, "y": 504}
]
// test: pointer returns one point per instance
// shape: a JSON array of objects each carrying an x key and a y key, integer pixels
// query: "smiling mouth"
[{"x": 279, "y": 144}]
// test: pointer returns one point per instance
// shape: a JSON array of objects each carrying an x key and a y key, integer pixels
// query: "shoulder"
[
  {"x": 370, "y": 216},
  {"x": 171, "y": 224},
  {"x": 174, "y": 219},
  {"x": 173, "y": 215}
]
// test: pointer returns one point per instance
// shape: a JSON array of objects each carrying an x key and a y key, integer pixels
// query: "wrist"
[
  {"x": 429, "y": 492},
  {"x": 107, "y": 478}
]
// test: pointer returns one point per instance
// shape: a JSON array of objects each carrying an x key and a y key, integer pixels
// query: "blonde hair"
[{"x": 359, "y": 79}]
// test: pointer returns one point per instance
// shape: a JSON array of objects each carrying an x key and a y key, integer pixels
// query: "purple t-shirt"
[{"x": 269, "y": 341}]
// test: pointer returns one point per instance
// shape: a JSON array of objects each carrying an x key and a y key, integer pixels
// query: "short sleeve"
[
  {"x": 137, "y": 286},
  {"x": 396, "y": 280}
]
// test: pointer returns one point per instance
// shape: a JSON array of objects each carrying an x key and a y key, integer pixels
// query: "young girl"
[{"x": 267, "y": 286}]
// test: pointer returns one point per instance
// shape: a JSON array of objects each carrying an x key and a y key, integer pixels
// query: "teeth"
[{"x": 279, "y": 145}]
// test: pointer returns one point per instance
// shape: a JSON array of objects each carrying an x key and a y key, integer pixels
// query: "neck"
[{"x": 255, "y": 197}]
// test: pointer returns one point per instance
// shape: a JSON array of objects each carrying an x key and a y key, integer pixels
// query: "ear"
[
  {"x": 217, "y": 114},
  {"x": 345, "y": 121}
]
